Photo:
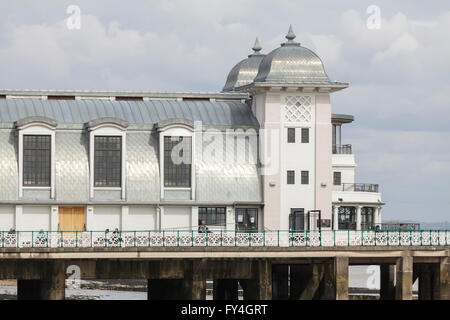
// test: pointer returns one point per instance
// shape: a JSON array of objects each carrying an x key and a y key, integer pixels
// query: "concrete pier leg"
[
  {"x": 225, "y": 289},
  {"x": 28, "y": 289},
  {"x": 165, "y": 289},
  {"x": 341, "y": 271},
  {"x": 314, "y": 281},
  {"x": 264, "y": 278},
  {"x": 444, "y": 279},
  {"x": 327, "y": 288},
  {"x": 51, "y": 286},
  {"x": 194, "y": 289},
  {"x": 404, "y": 278},
  {"x": 194, "y": 283},
  {"x": 260, "y": 287},
  {"x": 280, "y": 290},
  {"x": 387, "y": 284}
]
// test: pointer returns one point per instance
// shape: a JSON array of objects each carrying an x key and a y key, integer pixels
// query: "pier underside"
[{"x": 262, "y": 273}]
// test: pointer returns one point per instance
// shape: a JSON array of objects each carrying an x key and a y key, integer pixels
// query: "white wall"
[
  {"x": 140, "y": 218},
  {"x": 299, "y": 157},
  {"x": 6, "y": 217},
  {"x": 104, "y": 217},
  {"x": 345, "y": 164},
  {"x": 34, "y": 218},
  {"x": 176, "y": 218}
]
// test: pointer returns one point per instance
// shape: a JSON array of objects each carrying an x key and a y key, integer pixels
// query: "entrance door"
[
  {"x": 247, "y": 219},
  {"x": 71, "y": 219}
]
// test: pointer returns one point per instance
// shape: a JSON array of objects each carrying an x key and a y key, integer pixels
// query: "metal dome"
[
  {"x": 292, "y": 63},
  {"x": 245, "y": 71}
]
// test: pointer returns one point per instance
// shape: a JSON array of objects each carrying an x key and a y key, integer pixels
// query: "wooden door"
[{"x": 71, "y": 218}]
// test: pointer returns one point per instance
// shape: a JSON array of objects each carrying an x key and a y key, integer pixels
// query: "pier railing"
[{"x": 222, "y": 238}]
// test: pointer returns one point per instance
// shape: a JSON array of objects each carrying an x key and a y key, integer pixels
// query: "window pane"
[
  {"x": 36, "y": 160},
  {"x": 291, "y": 135},
  {"x": 177, "y": 161},
  {"x": 305, "y": 177},
  {"x": 108, "y": 161},
  {"x": 291, "y": 177},
  {"x": 212, "y": 216},
  {"x": 305, "y": 135},
  {"x": 336, "y": 178}
]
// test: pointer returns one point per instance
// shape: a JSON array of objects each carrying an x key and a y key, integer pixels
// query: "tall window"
[
  {"x": 212, "y": 216},
  {"x": 291, "y": 135},
  {"x": 108, "y": 161},
  {"x": 297, "y": 220},
  {"x": 291, "y": 177},
  {"x": 337, "y": 178},
  {"x": 347, "y": 218},
  {"x": 305, "y": 135},
  {"x": 246, "y": 219},
  {"x": 367, "y": 218},
  {"x": 305, "y": 177},
  {"x": 177, "y": 161},
  {"x": 36, "y": 160}
]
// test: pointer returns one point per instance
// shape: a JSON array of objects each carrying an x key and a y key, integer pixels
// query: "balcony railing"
[
  {"x": 360, "y": 187},
  {"x": 342, "y": 149},
  {"x": 223, "y": 238}
]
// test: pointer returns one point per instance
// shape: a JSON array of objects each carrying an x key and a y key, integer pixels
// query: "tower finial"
[
  {"x": 257, "y": 47},
  {"x": 291, "y": 35}
]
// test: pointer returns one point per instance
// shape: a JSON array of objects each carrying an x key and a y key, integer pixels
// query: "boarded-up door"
[{"x": 71, "y": 218}]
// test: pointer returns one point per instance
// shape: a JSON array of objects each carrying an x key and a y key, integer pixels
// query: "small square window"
[
  {"x": 291, "y": 177},
  {"x": 337, "y": 178},
  {"x": 305, "y": 135},
  {"x": 291, "y": 135},
  {"x": 305, "y": 177}
]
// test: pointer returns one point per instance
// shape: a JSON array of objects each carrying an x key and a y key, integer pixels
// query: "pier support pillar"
[
  {"x": 404, "y": 278},
  {"x": 444, "y": 279},
  {"x": 327, "y": 288},
  {"x": 387, "y": 284},
  {"x": 194, "y": 283},
  {"x": 315, "y": 278},
  {"x": 280, "y": 281},
  {"x": 225, "y": 289},
  {"x": 51, "y": 286},
  {"x": 341, "y": 271},
  {"x": 260, "y": 286}
]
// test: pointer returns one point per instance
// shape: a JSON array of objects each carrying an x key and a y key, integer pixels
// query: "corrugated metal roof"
[{"x": 214, "y": 113}]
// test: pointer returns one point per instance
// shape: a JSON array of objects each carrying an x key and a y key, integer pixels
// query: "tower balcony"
[
  {"x": 360, "y": 187},
  {"x": 342, "y": 149}
]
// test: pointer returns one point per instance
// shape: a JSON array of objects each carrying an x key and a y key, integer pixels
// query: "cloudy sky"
[{"x": 399, "y": 74}]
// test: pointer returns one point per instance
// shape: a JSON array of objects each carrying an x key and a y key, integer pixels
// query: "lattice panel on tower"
[{"x": 298, "y": 109}]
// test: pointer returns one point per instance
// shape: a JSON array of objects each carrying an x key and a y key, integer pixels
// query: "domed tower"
[
  {"x": 291, "y": 100},
  {"x": 245, "y": 71}
]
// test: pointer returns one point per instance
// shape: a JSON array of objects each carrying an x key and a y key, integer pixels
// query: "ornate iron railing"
[
  {"x": 342, "y": 149},
  {"x": 222, "y": 238},
  {"x": 360, "y": 187}
]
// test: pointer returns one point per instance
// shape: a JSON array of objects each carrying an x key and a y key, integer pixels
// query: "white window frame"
[
  {"x": 38, "y": 129},
  {"x": 176, "y": 130},
  {"x": 107, "y": 129}
]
